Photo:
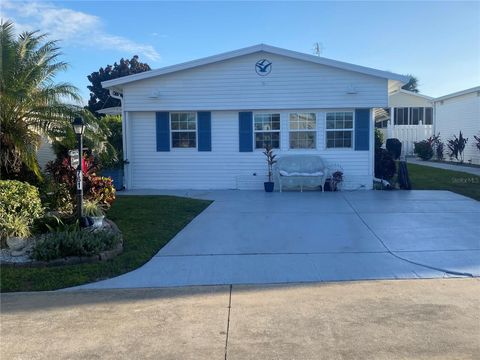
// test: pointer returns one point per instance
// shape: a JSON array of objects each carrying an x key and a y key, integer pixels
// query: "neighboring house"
[
  {"x": 408, "y": 118},
  {"x": 203, "y": 124},
  {"x": 45, "y": 153},
  {"x": 457, "y": 112}
]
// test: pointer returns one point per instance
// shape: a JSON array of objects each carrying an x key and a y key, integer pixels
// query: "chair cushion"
[{"x": 285, "y": 173}]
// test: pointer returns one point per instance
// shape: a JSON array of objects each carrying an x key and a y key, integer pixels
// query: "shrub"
[
  {"x": 73, "y": 243},
  {"x": 19, "y": 199},
  {"x": 91, "y": 208},
  {"x": 95, "y": 188},
  {"x": 477, "y": 142},
  {"x": 439, "y": 151},
  {"x": 394, "y": 147},
  {"x": 101, "y": 190},
  {"x": 456, "y": 147},
  {"x": 378, "y": 138},
  {"x": 385, "y": 167},
  {"x": 14, "y": 226},
  {"x": 437, "y": 145},
  {"x": 423, "y": 149},
  {"x": 57, "y": 197}
]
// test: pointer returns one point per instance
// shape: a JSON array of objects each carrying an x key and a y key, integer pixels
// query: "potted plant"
[
  {"x": 268, "y": 185},
  {"x": 336, "y": 179},
  {"x": 94, "y": 211},
  {"x": 16, "y": 231}
]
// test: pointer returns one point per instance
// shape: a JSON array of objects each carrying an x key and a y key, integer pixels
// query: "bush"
[
  {"x": 394, "y": 147},
  {"x": 385, "y": 167},
  {"x": 57, "y": 197},
  {"x": 423, "y": 149},
  {"x": 95, "y": 188},
  {"x": 439, "y": 151},
  {"x": 15, "y": 226},
  {"x": 19, "y": 199},
  {"x": 73, "y": 243},
  {"x": 456, "y": 147}
]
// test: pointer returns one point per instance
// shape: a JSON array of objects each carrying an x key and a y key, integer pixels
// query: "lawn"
[
  {"x": 147, "y": 224},
  {"x": 429, "y": 178}
]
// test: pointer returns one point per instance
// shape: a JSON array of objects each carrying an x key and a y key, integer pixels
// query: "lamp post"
[{"x": 79, "y": 127}]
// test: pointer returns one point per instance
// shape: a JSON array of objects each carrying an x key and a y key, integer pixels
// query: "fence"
[{"x": 408, "y": 135}]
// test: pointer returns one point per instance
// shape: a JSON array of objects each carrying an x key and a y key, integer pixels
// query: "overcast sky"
[{"x": 439, "y": 42}]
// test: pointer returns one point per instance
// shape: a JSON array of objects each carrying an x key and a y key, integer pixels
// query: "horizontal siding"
[
  {"x": 460, "y": 113},
  {"x": 233, "y": 84},
  {"x": 400, "y": 99},
  {"x": 45, "y": 153},
  {"x": 224, "y": 167}
]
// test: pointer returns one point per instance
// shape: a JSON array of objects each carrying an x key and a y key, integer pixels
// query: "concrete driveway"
[{"x": 252, "y": 237}]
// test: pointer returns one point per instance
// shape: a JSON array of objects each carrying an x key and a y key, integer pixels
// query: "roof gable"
[{"x": 250, "y": 50}]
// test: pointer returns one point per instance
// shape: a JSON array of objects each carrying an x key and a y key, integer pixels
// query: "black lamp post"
[{"x": 79, "y": 127}]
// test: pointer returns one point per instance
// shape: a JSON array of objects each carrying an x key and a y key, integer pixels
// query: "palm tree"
[
  {"x": 31, "y": 103},
  {"x": 412, "y": 84}
]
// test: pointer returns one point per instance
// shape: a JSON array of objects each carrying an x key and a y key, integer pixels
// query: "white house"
[
  {"x": 409, "y": 118},
  {"x": 457, "y": 112},
  {"x": 203, "y": 124}
]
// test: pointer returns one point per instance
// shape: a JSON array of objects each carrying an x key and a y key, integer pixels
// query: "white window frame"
[
  {"x": 314, "y": 130},
  {"x": 268, "y": 131},
  {"x": 335, "y": 130},
  {"x": 182, "y": 130}
]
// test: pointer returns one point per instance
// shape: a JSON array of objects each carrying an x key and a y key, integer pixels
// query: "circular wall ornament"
[{"x": 263, "y": 67}]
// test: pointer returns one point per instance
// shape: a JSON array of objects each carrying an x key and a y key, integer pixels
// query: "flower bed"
[{"x": 26, "y": 261}]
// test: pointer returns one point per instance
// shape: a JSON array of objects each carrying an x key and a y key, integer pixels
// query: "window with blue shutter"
[
  {"x": 204, "y": 119},
  {"x": 245, "y": 128},
  {"x": 362, "y": 129},
  {"x": 163, "y": 131}
]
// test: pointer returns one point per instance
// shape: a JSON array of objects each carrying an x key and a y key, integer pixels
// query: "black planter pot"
[{"x": 268, "y": 186}]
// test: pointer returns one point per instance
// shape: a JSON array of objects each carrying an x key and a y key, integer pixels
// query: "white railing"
[{"x": 408, "y": 135}]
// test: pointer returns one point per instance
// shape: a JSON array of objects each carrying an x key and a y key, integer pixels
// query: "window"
[
  {"x": 428, "y": 116},
  {"x": 339, "y": 129},
  {"x": 303, "y": 131},
  {"x": 267, "y": 130},
  {"x": 184, "y": 129},
  {"x": 416, "y": 115},
  {"x": 401, "y": 116}
]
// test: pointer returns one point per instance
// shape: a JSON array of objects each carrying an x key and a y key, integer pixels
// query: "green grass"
[
  {"x": 430, "y": 178},
  {"x": 147, "y": 224}
]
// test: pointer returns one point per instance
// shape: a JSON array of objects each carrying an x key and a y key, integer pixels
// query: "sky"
[{"x": 438, "y": 42}]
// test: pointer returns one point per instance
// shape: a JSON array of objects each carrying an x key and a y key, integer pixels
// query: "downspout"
[{"x": 118, "y": 95}]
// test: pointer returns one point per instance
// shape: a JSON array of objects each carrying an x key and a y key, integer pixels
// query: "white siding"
[
  {"x": 45, "y": 153},
  {"x": 460, "y": 113},
  {"x": 400, "y": 99},
  {"x": 224, "y": 167},
  {"x": 234, "y": 85}
]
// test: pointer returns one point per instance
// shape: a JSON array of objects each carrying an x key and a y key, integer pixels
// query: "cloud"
[{"x": 73, "y": 27}]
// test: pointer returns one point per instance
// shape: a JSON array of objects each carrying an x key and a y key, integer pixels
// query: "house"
[
  {"x": 457, "y": 112},
  {"x": 203, "y": 124},
  {"x": 409, "y": 118}
]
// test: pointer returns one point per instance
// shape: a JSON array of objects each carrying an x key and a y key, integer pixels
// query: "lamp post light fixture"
[{"x": 79, "y": 128}]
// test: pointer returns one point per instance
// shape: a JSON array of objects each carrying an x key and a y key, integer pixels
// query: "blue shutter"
[
  {"x": 362, "y": 129},
  {"x": 163, "y": 131},
  {"x": 204, "y": 120},
  {"x": 245, "y": 127}
]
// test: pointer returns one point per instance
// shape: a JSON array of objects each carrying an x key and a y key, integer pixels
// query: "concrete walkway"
[
  {"x": 466, "y": 169},
  {"x": 253, "y": 237},
  {"x": 406, "y": 319}
]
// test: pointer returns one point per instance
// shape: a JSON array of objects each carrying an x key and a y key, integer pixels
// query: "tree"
[
  {"x": 31, "y": 103},
  {"x": 100, "y": 97},
  {"x": 411, "y": 85}
]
